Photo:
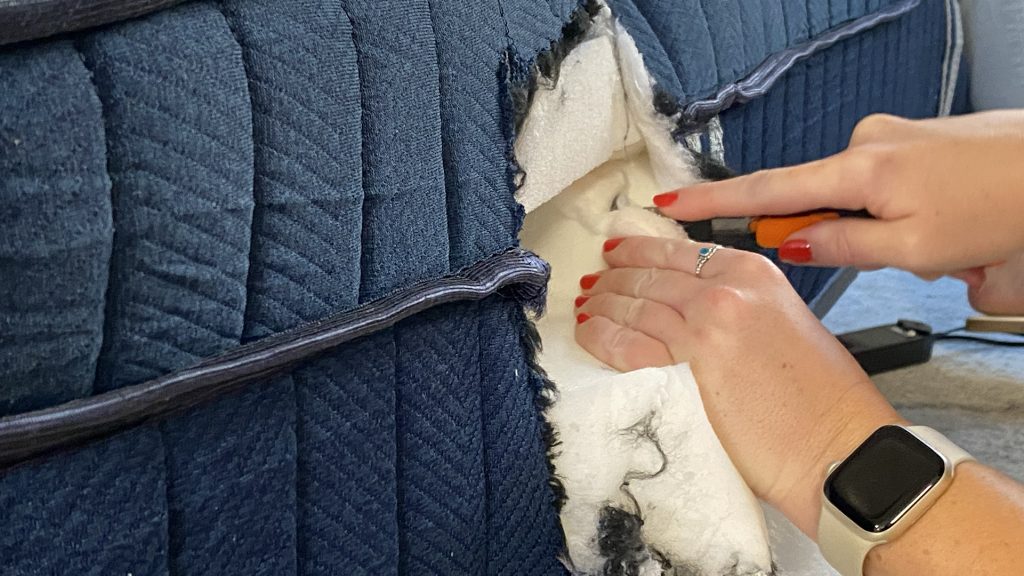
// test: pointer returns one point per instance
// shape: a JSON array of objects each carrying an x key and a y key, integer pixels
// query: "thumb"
[{"x": 857, "y": 242}]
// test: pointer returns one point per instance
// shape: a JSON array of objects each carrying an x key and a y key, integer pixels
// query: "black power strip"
[{"x": 889, "y": 347}]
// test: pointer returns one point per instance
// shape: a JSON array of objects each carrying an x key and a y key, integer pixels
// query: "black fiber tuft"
[
  {"x": 549, "y": 61},
  {"x": 542, "y": 70},
  {"x": 710, "y": 169},
  {"x": 665, "y": 103},
  {"x": 621, "y": 543},
  {"x": 545, "y": 395},
  {"x": 620, "y": 538}
]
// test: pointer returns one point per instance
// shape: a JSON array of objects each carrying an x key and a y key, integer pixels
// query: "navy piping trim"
[
  {"x": 517, "y": 273},
  {"x": 766, "y": 74},
  {"x": 22, "y": 20}
]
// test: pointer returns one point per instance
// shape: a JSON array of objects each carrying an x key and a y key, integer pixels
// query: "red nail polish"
[
  {"x": 666, "y": 199},
  {"x": 581, "y": 300},
  {"x": 588, "y": 281},
  {"x": 796, "y": 251},
  {"x": 582, "y": 318},
  {"x": 612, "y": 244}
]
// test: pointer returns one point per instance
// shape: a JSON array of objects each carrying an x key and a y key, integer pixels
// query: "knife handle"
[{"x": 772, "y": 231}]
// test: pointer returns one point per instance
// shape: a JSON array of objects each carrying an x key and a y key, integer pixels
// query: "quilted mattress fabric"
[{"x": 175, "y": 185}]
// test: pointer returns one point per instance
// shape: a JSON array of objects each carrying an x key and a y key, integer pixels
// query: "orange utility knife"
[{"x": 763, "y": 231}]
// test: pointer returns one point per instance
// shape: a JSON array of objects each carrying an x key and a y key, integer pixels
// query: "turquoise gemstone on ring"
[{"x": 704, "y": 251}]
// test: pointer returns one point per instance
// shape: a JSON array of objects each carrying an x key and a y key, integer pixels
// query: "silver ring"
[{"x": 703, "y": 255}]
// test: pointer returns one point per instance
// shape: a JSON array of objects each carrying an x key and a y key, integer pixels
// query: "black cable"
[
  {"x": 951, "y": 335},
  {"x": 992, "y": 341}
]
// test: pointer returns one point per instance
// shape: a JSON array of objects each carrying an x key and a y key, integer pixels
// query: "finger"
[
  {"x": 665, "y": 254},
  {"x": 668, "y": 287},
  {"x": 858, "y": 242},
  {"x": 836, "y": 182},
  {"x": 973, "y": 277},
  {"x": 648, "y": 317},
  {"x": 621, "y": 348}
]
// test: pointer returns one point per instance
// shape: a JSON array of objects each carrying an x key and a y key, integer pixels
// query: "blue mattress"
[{"x": 178, "y": 185}]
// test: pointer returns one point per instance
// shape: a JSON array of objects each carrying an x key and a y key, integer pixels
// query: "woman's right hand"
[{"x": 947, "y": 196}]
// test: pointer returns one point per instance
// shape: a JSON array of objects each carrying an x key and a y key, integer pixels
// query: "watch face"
[{"x": 883, "y": 478}]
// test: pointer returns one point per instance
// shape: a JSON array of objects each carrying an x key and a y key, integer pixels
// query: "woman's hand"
[
  {"x": 947, "y": 195},
  {"x": 782, "y": 394}
]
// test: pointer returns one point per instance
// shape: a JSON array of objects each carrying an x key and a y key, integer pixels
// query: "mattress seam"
[
  {"x": 515, "y": 273},
  {"x": 42, "y": 19}
]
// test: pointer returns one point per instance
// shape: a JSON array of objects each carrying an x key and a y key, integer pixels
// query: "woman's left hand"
[{"x": 783, "y": 395}]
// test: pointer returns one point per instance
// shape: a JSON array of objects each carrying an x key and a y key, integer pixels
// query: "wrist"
[
  {"x": 857, "y": 414},
  {"x": 975, "y": 528},
  {"x": 939, "y": 525}
]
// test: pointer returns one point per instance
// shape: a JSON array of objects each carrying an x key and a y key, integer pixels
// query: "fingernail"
[
  {"x": 612, "y": 244},
  {"x": 581, "y": 300},
  {"x": 588, "y": 281},
  {"x": 582, "y": 318},
  {"x": 666, "y": 199},
  {"x": 797, "y": 251}
]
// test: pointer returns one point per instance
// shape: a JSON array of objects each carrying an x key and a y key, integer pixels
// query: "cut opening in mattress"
[{"x": 648, "y": 487}]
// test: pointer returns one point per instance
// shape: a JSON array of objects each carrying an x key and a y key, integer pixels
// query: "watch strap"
[
  {"x": 839, "y": 544},
  {"x": 941, "y": 444},
  {"x": 842, "y": 542}
]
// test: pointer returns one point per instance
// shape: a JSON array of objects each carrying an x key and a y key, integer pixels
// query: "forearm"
[{"x": 976, "y": 527}]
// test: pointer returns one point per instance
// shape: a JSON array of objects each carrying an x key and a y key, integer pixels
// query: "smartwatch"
[{"x": 881, "y": 489}]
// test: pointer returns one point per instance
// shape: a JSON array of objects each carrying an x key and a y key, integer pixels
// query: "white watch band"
[
  {"x": 841, "y": 547},
  {"x": 941, "y": 444},
  {"x": 844, "y": 544}
]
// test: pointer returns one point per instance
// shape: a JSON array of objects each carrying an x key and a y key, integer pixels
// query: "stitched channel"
[{"x": 517, "y": 273}]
